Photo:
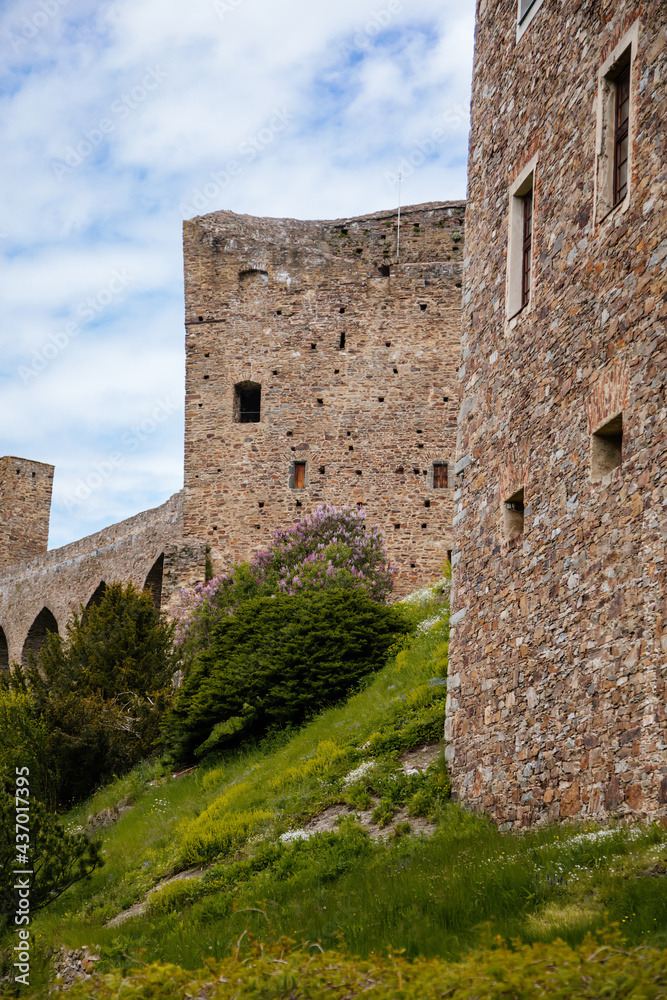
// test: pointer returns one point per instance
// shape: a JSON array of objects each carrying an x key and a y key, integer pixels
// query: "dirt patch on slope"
[{"x": 140, "y": 908}]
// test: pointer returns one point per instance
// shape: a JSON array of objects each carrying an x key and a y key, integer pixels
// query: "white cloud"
[{"x": 165, "y": 94}]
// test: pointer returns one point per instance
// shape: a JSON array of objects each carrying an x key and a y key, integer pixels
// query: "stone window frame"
[
  {"x": 524, "y": 183},
  {"x": 431, "y": 474},
  {"x": 523, "y": 20},
  {"x": 298, "y": 461},
  {"x": 623, "y": 55}
]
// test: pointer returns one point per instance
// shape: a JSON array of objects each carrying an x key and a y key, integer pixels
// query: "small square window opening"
[{"x": 607, "y": 449}]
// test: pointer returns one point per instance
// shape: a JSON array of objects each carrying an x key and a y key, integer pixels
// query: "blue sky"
[{"x": 118, "y": 120}]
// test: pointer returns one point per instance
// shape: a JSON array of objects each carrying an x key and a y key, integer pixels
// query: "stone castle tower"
[
  {"x": 322, "y": 369},
  {"x": 559, "y": 647}
]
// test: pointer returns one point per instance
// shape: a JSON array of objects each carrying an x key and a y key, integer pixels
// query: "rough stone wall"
[
  {"x": 25, "y": 506},
  {"x": 267, "y": 301},
  {"x": 559, "y": 650},
  {"x": 58, "y": 582}
]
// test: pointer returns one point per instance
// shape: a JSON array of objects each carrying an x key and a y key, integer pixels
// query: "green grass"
[{"x": 436, "y": 896}]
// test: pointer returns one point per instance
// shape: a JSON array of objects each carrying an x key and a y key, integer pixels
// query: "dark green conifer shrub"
[
  {"x": 99, "y": 692},
  {"x": 275, "y": 662},
  {"x": 121, "y": 645},
  {"x": 56, "y": 858}
]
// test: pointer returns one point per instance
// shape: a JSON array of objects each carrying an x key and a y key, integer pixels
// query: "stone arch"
[
  {"x": 154, "y": 581},
  {"x": 4, "y": 651},
  {"x": 97, "y": 596},
  {"x": 44, "y": 623}
]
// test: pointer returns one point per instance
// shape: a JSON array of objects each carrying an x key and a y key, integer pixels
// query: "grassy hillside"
[{"x": 244, "y": 830}]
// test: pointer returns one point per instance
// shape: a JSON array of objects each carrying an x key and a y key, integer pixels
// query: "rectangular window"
[
  {"x": 615, "y": 127},
  {"x": 526, "y": 11},
  {"x": 524, "y": 8},
  {"x": 519, "y": 292},
  {"x": 527, "y": 248},
  {"x": 440, "y": 476},
  {"x": 299, "y": 475},
  {"x": 621, "y": 135},
  {"x": 247, "y": 402}
]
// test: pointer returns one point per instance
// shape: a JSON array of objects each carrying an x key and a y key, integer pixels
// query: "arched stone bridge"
[{"x": 39, "y": 596}]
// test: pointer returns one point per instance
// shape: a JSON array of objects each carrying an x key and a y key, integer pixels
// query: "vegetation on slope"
[{"x": 263, "y": 879}]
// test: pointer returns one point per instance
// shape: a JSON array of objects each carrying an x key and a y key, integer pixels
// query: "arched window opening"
[
  {"x": 154, "y": 581},
  {"x": 253, "y": 278},
  {"x": 4, "y": 651},
  {"x": 96, "y": 599},
  {"x": 247, "y": 402},
  {"x": 44, "y": 623}
]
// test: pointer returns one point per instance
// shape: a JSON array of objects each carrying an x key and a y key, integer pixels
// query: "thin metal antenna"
[{"x": 398, "y": 242}]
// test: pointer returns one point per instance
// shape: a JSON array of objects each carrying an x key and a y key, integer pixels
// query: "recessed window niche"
[{"x": 607, "y": 448}]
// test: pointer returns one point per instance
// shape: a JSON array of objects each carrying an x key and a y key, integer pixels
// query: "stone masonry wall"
[
  {"x": 43, "y": 592},
  {"x": 25, "y": 506},
  {"x": 559, "y": 647},
  {"x": 267, "y": 301}
]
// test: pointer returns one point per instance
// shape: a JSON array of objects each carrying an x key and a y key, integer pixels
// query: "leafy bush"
[
  {"x": 56, "y": 859},
  {"x": 328, "y": 549},
  {"x": 276, "y": 661},
  {"x": 599, "y": 967},
  {"x": 24, "y": 743},
  {"x": 95, "y": 697}
]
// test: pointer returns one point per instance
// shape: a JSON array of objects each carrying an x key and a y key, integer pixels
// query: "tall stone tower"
[
  {"x": 25, "y": 508},
  {"x": 322, "y": 369},
  {"x": 559, "y": 647}
]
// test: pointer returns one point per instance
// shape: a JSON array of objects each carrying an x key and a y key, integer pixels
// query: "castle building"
[
  {"x": 321, "y": 366},
  {"x": 556, "y": 702}
]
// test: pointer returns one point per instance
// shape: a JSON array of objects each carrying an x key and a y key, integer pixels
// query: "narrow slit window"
[
  {"x": 299, "y": 475},
  {"x": 527, "y": 248},
  {"x": 342, "y": 342},
  {"x": 621, "y": 135},
  {"x": 513, "y": 515}
]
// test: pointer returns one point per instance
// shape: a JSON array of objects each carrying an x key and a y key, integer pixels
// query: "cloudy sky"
[{"x": 118, "y": 119}]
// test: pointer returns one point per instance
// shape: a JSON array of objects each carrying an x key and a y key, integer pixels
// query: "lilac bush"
[{"x": 329, "y": 548}]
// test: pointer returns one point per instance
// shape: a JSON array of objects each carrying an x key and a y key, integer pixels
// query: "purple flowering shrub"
[{"x": 331, "y": 548}]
